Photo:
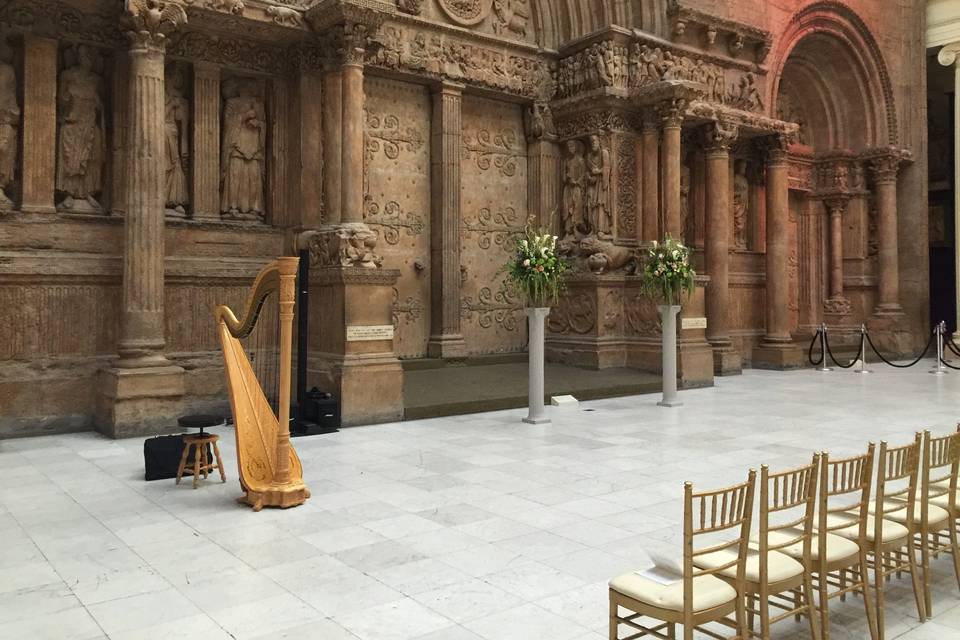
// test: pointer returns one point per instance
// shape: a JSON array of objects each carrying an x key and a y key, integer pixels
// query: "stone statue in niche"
[
  {"x": 9, "y": 123},
  {"x": 176, "y": 143},
  {"x": 574, "y": 175},
  {"x": 741, "y": 204},
  {"x": 244, "y": 144},
  {"x": 598, "y": 188},
  {"x": 81, "y": 143}
]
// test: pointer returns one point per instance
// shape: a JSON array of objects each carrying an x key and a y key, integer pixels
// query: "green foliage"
[
  {"x": 667, "y": 273},
  {"x": 536, "y": 272}
]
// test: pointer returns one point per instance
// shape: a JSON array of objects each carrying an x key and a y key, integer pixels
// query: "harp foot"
[{"x": 282, "y": 496}]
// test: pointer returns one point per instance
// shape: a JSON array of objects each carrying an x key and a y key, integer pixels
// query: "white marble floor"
[{"x": 476, "y": 527}]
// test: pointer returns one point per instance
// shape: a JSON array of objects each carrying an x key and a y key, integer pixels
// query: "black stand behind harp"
[{"x": 315, "y": 411}]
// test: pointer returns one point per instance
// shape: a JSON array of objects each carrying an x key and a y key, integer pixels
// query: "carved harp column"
[
  {"x": 446, "y": 338},
  {"x": 718, "y": 138},
  {"x": 671, "y": 115},
  {"x": 142, "y": 328}
]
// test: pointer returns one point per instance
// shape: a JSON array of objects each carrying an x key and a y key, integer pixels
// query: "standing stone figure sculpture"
[
  {"x": 81, "y": 145},
  {"x": 574, "y": 173},
  {"x": 741, "y": 204},
  {"x": 598, "y": 188},
  {"x": 176, "y": 144},
  {"x": 9, "y": 123},
  {"x": 244, "y": 142}
]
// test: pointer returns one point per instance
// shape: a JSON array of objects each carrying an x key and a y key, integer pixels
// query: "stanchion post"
[
  {"x": 938, "y": 331},
  {"x": 823, "y": 347},
  {"x": 863, "y": 349}
]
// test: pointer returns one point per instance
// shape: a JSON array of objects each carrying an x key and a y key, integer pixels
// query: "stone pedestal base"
[
  {"x": 889, "y": 332},
  {"x": 447, "y": 347},
  {"x": 139, "y": 402},
  {"x": 726, "y": 360},
  {"x": 352, "y": 349},
  {"x": 778, "y": 355}
]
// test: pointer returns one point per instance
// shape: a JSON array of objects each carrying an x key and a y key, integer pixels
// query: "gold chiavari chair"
[
  {"x": 698, "y": 597},
  {"x": 790, "y": 498},
  {"x": 890, "y": 544},
  {"x": 838, "y": 561}
]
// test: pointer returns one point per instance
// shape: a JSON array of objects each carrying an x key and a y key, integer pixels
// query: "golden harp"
[{"x": 259, "y": 387}]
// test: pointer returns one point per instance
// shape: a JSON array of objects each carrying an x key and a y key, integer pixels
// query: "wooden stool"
[{"x": 201, "y": 463}]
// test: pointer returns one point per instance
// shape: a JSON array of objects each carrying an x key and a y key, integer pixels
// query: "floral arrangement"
[
  {"x": 667, "y": 273},
  {"x": 535, "y": 271}
]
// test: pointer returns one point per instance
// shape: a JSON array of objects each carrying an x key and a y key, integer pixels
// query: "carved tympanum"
[
  {"x": 243, "y": 149},
  {"x": 9, "y": 123},
  {"x": 81, "y": 141}
]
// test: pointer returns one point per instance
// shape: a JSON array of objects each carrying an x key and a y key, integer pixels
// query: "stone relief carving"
[
  {"x": 602, "y": 65},
  {"x": 746, "y": 94},
  {"x": 626, "y": 191},
  {"x": 598, "y": 188},
  {"x": 612, "y": 310},
  {"x": 686, "y": 220},
  {"x": 538, "y": 122},
  {"x": 9, "y": 124},
  {"x": 466, "y": 12},
  {"x": 444, "y": 56},
  {"x": 574, "y": 180},
  {"x": 838, "y": 305},
  {"x": 410, "y": 310},
  {"x": 788, "y": 111},
  {"x": 176, "y": 142},
  {"x": 349, "y": 245},
  {"x": 81, "y": 143},
  {"x": 641, "y": 315},
  {"x": 593, "y": 254},
  {"x": 244, "y": 146},
  {"x": 511, "y": 16},
  {"x": 596, "y": 121},
  {"x": 741, "y": 204},
  {"x": 393, "y": 221},
  {"x": 384, "y": 133},
  {"x": 285, "y": 16},
  {"x": 576, "y": 313},
  {"x": 413, "y": 7},
  {"x": 491, "y": 308},
  {"x": 492, "y": 150},
  {"x": 652, "y": 64},
  {"x": 231, "y": 52},
  {"x": 492, "y": 228}
]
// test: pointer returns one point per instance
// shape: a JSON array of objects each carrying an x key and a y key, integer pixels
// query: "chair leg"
[
  {"x": 867, "y": 600},
  {"x": 196, "y": 465},
  {"x": 810, "y": 608},
  {"x": 823, "y": 605},
  {"x": 183, "y": 462},
  {"x": 954, "y": 552},
  {"x": 613, "y": 619},
  {"x": 915, "y": 578},
  {"x": 843, "y": 584},
  {"x": 671, "y": 630},
  {"x": 764, "y": 616},
  {"x": 216, "y": 453},
  {"x": 878, "y": 594},
  {"x": 751, "y": 607},
  {"x": 925, "y": 563}
]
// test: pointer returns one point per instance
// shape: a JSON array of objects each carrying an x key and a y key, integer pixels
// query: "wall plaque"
[
  {"x": 693, "y": 323},
  {"x": 358, "y": 333}
]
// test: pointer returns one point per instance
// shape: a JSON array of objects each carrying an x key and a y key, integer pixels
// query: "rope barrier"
[
  {"x": 826, "y": 340},
  {"x": 953, "y": 346},
  {"x": 901, "y": 366},
  {"x": 813, "y": 341}
]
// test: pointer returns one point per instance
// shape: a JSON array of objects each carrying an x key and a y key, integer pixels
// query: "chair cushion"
[
  {"x": 890, "y": 530},
  {"x": 944, "y": 501},
  {"x": 708, "y": 592},
  {"x": 935, "y": 514},
  {"x": 779, "y": 566},
  {"x": 837, "y": 548}
]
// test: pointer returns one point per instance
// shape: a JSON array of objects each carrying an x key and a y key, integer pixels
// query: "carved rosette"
[
  {"x": 149, "y": 22},
  {"x": 348, "y": 245},
  {"x": 466, "y": 12}
]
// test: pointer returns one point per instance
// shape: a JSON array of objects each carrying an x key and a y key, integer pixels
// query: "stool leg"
[
  {"x": 196, "y": 465},
  {"x": 216, "y": 452},
  {"x": 183, "y": 462},
  {"x": 204, "y": 461}
]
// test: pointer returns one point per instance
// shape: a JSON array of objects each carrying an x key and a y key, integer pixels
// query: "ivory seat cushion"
[
  {"x": 935, "y": 514},
  {"x": 779, "y": 565},
  {"x": 708, "y": 592},
  {"x": 944, "y": 501},
  {"x": 838, "y": 547},
  {"x": 890, "y": 530}
]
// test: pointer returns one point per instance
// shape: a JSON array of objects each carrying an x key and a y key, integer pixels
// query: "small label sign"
[
  {"x": 365, "y": 333},
  {"x": 693, "y": 323}
]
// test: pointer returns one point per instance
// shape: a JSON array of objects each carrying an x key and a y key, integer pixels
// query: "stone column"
[
  {"x": 671, "y": 114},
  {"x": 145, "y": 389},
  {"x": 885, "y": 170},
  {"x": 948, "y": 56},
  {"x": 836, "y": 207},
  {"x": 777, "y": 350},
  {"x": 446, "y": 338},
  {"x": 332, "y": 135},
  {"x": 719, "y": 137},
  {"x": 39, "y": 124},
  {"x": 352, "y": 121},
  {"x": 205, "y": 168},
  {"x": 308, "y": 145},
  {"x": 651, "y": 179}
]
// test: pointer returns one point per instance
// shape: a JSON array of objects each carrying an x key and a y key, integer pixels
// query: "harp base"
[{"x": 284, "y": 497}]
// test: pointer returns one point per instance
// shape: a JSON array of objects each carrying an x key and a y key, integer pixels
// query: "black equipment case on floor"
[{"x": 161, "y": 456}]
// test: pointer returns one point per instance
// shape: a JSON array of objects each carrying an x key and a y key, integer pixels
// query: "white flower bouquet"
[
  {"x": 667, "y": 273},
  {"x": 535, "y": 271}
]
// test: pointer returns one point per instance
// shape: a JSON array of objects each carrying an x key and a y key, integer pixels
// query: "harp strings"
[{"x": 263, "y": 348}]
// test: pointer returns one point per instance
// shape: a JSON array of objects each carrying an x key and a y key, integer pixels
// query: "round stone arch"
[
  {"x": 560, "y": 21},
  {"x": 829, "y": 72}
]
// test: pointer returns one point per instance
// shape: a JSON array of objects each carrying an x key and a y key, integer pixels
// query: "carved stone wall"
[
  {"x": 493, "y": 207},
  {"x": 397, "y": 204}
]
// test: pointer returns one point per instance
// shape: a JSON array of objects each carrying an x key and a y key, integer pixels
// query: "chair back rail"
[
  {"x": 895, "y": 464},
  {"x": 790, "y": 490},
  {"x": 840, "y": 478},
  {"x": 940, "y": 455}
]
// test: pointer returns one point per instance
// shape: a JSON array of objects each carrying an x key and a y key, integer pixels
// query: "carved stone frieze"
[
  {"x": 511, "y": 17},
  {"x": 466, "y": 12},
  {"x": 231, "y": 52},
  {"x": 596, "y": 121},
  {"x": 233, "y": 7},
  {"x": 576, "y": 313},
  {"x": 640, "y": 312},
  {"x": 445, "y": 56},
  {"x": 413, "y": 7},
  {"x": 285, "y": 16},
  {"x": 593, "y": 254},
  {"x": 604, "y": 64},
  {"x": 499, "y": 150},
  {"x": 348, "y": 245},
  {"x": 492, "y": 227},
  {"x": 627, "y": 201},
  {"x": 392, "y": 220},
  {"x": 58, "y": 20},
  {"x": 488, "y": 309},
  {"x": 837, "y": 305},
  {"x": 409, "y": 310}
]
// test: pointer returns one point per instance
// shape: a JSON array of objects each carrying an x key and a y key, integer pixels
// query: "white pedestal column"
[
  {"x": 668, "y": 322},
  {"x": 536, "y": 319}
]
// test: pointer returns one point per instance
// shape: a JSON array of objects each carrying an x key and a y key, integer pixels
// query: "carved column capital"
[
  {"x": 947, "y": 56},
  {"x": 347, "y": 245},
  {"x": 837, "y": 204},
  {"x": 539, "y": 123},
  {"x": 719, "y": 136},
  {"x": 776, "y": 147},
  {"x": 148, "y": 22},
  {"x": 671, "y": 112},
  {"x": 885, "y": 165}
]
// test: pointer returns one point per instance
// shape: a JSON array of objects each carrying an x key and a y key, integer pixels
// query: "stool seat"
[
  {"x": 201, "y": 462},
  {"x": 200, "y": 421}
]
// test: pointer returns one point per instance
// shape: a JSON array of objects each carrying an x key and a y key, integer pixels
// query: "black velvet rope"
[
  {"x": 813, "y": 341},
  {"x": 901, "y": 366},
  {"x": 952, "y": 346},
  {"x": 826, "y": 340}
]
